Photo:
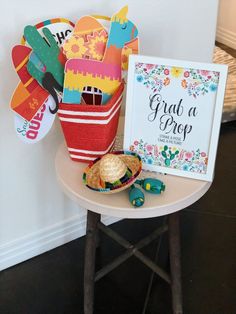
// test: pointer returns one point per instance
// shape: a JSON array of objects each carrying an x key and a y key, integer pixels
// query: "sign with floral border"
[{"x": 173, "y": 114}]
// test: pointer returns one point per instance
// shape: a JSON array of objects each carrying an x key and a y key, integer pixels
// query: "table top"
[{"x": 180, "y": 192}]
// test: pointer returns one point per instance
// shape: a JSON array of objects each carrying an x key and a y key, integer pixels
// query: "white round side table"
[{"x": 179, "y": 194}]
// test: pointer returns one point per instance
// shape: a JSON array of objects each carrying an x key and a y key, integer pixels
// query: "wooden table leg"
[
  {"x": 175, "y": 262},
  {"x": 89, "y": 262}
]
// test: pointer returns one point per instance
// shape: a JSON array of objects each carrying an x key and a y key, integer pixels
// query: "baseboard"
[
  {"x": 226, "y": 37},
  {"x": 44, "y": 240}
]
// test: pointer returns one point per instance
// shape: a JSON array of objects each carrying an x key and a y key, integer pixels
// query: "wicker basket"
[{"x": 90, "y": 130}]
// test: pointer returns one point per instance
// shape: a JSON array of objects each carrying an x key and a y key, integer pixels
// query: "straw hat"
[{"x": 113, "y": 172}]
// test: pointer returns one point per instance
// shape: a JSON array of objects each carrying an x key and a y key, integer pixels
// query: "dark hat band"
[{"x": 117, "y": 183}]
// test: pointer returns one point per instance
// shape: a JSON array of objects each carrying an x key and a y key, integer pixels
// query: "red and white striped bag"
[{"x": 90, "y": 130}]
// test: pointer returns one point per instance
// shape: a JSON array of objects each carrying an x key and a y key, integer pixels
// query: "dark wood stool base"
[
  {"x": 94, "y": 224},
  {"x": 89, "y": 265},
  {"x": 175, "y": 262}
]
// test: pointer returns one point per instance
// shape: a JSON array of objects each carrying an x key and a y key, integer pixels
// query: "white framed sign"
[{"x": 173, "y": 114}]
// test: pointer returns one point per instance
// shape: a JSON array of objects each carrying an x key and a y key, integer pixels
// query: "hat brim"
[{"x": 91, "y": 176}]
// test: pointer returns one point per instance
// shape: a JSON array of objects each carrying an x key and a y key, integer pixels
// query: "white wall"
[
  {"x": 226, "y": 25},
  {"x": 34, "y": 214}
]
